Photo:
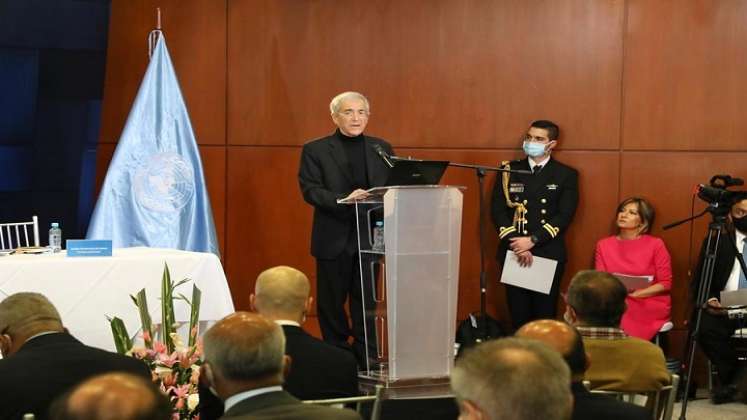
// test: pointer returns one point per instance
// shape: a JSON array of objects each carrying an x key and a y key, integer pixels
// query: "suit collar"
[
  {"x": 48, "y": 339},
  {"x": 260, "y": 402}
]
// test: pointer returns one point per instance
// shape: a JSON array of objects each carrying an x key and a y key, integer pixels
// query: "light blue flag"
[{"x": 154, "y": 193}]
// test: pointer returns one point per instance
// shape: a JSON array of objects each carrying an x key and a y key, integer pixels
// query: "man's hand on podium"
[{"x": 358, "y": 194}]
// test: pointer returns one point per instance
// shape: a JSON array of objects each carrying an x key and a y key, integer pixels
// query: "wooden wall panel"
[
  {"x": 668, "y": 179},
  {"x": 466, "y": 73},
  {"x": 195, "y": 36},
  {"x": 684, "y": 75},
  {"x": 268, "y": 223}
]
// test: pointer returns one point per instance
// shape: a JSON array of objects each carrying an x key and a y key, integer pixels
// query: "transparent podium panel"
[{"x": 410, "y": 284}]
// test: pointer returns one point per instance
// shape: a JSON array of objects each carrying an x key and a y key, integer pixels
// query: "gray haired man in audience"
[
  {"x": 113, "y": 396},
  {"x": 512, "y": 378},
  {"x": 42, "y": 361},
  {"x": 244, "y": 365}
]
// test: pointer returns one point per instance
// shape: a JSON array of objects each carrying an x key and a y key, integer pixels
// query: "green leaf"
[
  {"x": 167, "y": 309},
  {"x": 146, "y": 324},
  {"x": 194, "y": 316},
  {"x": 121, "y": 338}
]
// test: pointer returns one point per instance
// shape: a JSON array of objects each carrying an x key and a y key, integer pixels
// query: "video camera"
[{"x": 719, "y": 198}]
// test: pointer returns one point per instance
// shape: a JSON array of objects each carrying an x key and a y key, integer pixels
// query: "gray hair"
[
  {"x": 334, "y": 106},
  {"x": 514, "y": 378},
  {"x": 25, "y": 311},
  {"x": 248, "y": 350}
]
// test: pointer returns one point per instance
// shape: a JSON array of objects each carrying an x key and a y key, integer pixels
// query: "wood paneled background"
[{"x": 647, "y": 94}]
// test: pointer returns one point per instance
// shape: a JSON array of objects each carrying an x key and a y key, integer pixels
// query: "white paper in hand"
[{"x": 537, "y": 277}]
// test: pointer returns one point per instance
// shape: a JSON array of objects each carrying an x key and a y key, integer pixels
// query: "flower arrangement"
[{"x": 174, "y": 366}]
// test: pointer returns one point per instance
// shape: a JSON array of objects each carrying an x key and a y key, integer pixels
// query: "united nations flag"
[{"x": 154, "y": 193}]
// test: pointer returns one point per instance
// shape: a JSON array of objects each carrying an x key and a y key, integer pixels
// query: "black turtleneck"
[{"x": 355, "y": 150}]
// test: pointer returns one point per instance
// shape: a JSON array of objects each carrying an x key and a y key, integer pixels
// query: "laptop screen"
[{"x": 416, "y": 172}]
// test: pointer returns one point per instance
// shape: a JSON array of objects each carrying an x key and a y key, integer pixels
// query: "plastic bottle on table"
[{"x": 55, "y": 237}]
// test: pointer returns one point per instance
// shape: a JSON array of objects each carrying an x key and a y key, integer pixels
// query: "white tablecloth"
[{"x": 85, "y": 290}]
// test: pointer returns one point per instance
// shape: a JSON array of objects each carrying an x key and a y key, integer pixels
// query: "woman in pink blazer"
[{"x": 633, "y": 252}]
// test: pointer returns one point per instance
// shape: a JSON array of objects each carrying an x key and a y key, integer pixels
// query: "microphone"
[{"x": 380, "y": 151}]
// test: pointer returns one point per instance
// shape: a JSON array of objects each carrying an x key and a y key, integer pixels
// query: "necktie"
[
  {"x": 742, "y": 279},
  {"x": 536, "y": 169}
]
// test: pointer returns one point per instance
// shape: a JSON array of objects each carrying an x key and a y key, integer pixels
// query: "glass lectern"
[{"x": 410, "y": 287}]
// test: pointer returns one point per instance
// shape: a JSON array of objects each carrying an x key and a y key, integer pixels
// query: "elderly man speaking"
[{"x": 341, "y": 165}]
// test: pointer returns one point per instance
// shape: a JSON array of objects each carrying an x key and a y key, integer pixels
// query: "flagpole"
[{"x": 153, "y": 35}]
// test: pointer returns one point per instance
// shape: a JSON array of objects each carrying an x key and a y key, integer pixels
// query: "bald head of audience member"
[
  {"x": 595, "y": 299},
  {"x": 243, "y": 351},
  {"x": 282, "y": 293},
  {"x": 113, "y": 396},
  {"x": 24, "y": 315},
  {"x": 512, "y": 378},
  {"x": 564, "y": 339}
]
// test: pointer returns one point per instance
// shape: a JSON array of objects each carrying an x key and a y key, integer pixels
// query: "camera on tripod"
[{"x": 717, "y": 194}]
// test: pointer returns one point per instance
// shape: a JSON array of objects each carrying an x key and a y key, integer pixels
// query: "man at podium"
[
  {"x": 341, "y": 165},
  {"x": 531, "y": 213}
]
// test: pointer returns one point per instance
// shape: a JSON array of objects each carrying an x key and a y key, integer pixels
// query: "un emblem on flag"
[{"x": 165, "y": 183}]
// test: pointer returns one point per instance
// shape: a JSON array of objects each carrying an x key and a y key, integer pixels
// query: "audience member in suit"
[
  {"x": 42, "y": 361},
  {"x": 113, "y": 396},
  {"x": 514, "y": 378},
  {"x": 596, "y": 303},
  {"x": 716, "y": 329},
  {"x": 318, "y": 369},
  {"x": 567, "y": 341},
  {"x": 244, "y": 363}
]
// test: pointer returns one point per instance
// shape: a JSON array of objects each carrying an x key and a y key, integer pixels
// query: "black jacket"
[
  {"x": 324, "y": 176},
  {"x": 551, "y": 198},
  {"x": 725, "y": 260},
  {"x": 318, "y": 370},
  {"x": 595, "y": 406},
  {"x": 282, "y": 406},
  {"x": 50, "y": 365}
]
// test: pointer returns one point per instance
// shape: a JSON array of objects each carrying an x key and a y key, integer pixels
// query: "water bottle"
[
  {"x": 55, "y": 237},
  {"x": 378, "y": 237}
]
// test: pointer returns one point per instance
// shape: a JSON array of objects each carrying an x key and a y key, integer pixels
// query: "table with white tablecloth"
[{"x": 87, "y": 290}]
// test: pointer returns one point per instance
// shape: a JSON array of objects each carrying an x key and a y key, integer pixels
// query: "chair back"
[
  {"x": 19, "y": 234},
  {"x": 358, "y": 401},
  {"x": 659, "y": 403}
]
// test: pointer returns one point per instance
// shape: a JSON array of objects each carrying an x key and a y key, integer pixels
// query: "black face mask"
[{"x": 740, "y": 223}]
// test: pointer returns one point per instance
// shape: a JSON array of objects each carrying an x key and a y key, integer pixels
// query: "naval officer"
[{"x": 531, "y": 213}]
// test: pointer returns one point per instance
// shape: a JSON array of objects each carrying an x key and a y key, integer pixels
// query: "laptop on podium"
[{"x": 416, "y": 172}]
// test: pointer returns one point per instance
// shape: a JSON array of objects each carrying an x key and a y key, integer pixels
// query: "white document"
[
  {"x": 634, "y": 282},
  {"x": 537, "y": 277}
]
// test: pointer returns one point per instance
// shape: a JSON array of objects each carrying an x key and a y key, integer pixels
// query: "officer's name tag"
[
  {"x": 552, "y": 186},
  {"x": 516, "y": 188}
]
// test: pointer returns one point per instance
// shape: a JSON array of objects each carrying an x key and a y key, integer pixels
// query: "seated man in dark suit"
[
  {"x": 113, "y": 396},
  {"x": 244, "y": 361},
  {"x": 42, "y": 361},
  {"x": 318, "y": 370},
  {"x": 567, "y": 341}
]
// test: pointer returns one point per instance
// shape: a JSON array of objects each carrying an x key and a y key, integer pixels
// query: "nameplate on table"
[{"x": 88, "y": 248}]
